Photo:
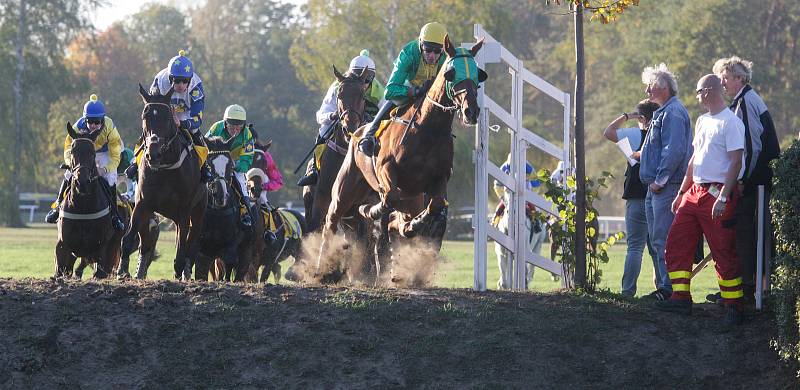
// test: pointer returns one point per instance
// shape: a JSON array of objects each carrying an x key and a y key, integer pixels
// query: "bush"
[{"x": 784, "y": 206}]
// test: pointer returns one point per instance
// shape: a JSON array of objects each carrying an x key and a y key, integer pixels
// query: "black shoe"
[
  {"x": 132, "y": 171},
  {"x": 715, "y": 298},
  {"x": 117, "y": 223},
  {"x": 205, "y": 174},
  {"x": 309, "y": 179},
  {"x": 659, "y": 295},
  {"x": 246, "y": 221},
  {"x": 680, "y": 306},
  {"x": 733, "y": 318},
  {"x": 367, "y": 145},
  {"x": 52, "y": 215},
  {"x": 269, "y": 236}
]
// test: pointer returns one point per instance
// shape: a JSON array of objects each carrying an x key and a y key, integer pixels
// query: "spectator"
[
  {"x": 634, "y": 193},
  {"x": 706, "y": 204},
  {"x": 761, "y": 147},
  {"x": 664, "y": 157}
]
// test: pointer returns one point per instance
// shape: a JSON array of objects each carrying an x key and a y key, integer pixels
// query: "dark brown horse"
[
  {"x": 169, "y": 184},
  {"x": 415, "y": 156},
  {"x": 350, "y": 104},
  {"x": 84, "y": 226}
]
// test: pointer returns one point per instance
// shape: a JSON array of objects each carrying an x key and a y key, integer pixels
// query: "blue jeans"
[
  {"x": 637, "y": 236},
  {"x": 659, "y": 219}
]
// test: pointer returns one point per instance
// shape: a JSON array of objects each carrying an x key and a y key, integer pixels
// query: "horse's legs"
[
  {"x": 181, "y": 263},
  {"x": 129, "y": 245},
  {"x": 193, "y": 228}
]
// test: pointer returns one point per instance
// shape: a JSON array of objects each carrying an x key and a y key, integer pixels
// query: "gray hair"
[
  {"x": 662, "y": 76},
  {"x": 735, "y": 66}
]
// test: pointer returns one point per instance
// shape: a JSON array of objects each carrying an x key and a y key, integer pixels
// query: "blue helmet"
[
  {"x": 94, "y": 108},
  {"x": 180, "y": 66}
]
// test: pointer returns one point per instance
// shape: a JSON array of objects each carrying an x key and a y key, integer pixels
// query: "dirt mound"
[{"x": 204, "y": 335}]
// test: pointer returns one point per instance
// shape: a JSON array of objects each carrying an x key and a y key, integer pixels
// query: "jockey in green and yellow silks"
[
  {"x": 328, "y": 111},
  {"x": 107, "y": 146},
  {"x": 242, "y": 149},
  {"x": 418, "y": 62}
]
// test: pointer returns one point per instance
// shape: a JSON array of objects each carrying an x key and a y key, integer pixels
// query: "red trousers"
[{"x": 692, "y": 220}]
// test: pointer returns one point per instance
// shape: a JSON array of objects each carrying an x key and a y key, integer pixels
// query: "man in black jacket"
[{"x": 761, "y": 147}]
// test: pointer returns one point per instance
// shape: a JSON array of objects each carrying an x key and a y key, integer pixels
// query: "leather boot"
[
  {"x": 368, "y": 141},
  {"x": 52, "y": 215},
  {"x": 205, "y": 171}
]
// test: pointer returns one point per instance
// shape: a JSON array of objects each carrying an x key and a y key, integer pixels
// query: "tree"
[
  {"x": 41, "y": 30},
  {"x": 605, "y": 11}
]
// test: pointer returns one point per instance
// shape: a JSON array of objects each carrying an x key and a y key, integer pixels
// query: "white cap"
[{"x": 362, "y": 61}]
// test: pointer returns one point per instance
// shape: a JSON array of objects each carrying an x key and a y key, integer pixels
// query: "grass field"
[{"x": 29, "y": 253}]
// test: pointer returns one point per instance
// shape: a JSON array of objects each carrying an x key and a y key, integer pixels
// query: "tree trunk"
[
  {"x": 580, "y": 163},
  {"x": 11, "y": 201}
]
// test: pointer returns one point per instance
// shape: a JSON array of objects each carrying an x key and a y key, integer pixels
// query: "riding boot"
[
  {"x": 205, "y": 170},
  {"x": 367, "y": 143},
  {"x": 312, "y": 174},
  {"x": 111, "y": 196},
  {"x": 246, "y": 220},
  {"x": 52, "y": 215}
]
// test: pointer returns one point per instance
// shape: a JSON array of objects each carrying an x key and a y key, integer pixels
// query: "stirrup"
[
  {"x": 52, "y": 215},
  {"x": 367, "y": 145},
  {"x": 117, "y": 224},
  {"x": 309, "y": 179}
]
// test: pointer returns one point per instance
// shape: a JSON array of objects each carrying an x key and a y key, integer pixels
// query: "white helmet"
[{"x": 362, "y": 61}]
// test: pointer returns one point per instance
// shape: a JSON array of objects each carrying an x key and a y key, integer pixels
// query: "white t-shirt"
[{"x": 715, "y": 136}]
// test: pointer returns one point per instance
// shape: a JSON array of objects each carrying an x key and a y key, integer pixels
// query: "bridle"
[
  {"x": 225, "y": 181},
  {"x": 151, "y": 137},
  {"x": 93, "y": 176}
]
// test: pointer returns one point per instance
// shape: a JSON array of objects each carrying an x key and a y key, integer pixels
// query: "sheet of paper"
[{"x": 625, "y": 146}]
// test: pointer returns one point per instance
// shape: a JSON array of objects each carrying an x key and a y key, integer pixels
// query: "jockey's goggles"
[
  {"x": 179, "y": 80},
  {"x": 431, "y": 49},
  {"x": 94, "y": 121},
  {"x": 234, "y": 122}
]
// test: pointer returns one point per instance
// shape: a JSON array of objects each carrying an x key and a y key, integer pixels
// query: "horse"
[
  {"x": 130, "y": 244},
  {"x": 317, "y": 198},
  {"x": 279, "y": 247},
  {"x": 169, "y": 184},
  {"x": 124, "y": 214},
  {"x": 222, "y": 236},
  {"x": 84, "y": 226},
  {"x": 414, "y": 159}
]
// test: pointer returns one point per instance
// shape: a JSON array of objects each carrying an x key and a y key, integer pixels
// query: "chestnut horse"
[
  {"x": 415, "y": 158},
  {"x": 169, "y": 184},
  {"x": 84, "y": 226}
]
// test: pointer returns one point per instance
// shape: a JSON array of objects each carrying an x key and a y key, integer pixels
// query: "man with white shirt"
[{"x": 706, "y": 204}]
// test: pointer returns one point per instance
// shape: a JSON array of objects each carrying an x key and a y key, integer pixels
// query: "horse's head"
[
  {"x": 158, "y": 126},
  {"x": 463, "y": 78},
  {"x": 82, "y": 164},
  {"x": 350, "y": 97},
  {"x": 221, "y": 163}
]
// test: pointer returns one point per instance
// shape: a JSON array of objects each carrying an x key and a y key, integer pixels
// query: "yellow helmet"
[
  {"x": 433, "y": 32},
  {"x": 235, "y": 112}
]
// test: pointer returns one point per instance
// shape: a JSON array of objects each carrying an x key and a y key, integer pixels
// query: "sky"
[{"x": 119, "y": 9}]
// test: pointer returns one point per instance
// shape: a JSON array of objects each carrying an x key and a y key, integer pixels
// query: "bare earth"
[{"x": 204, "y": 335}]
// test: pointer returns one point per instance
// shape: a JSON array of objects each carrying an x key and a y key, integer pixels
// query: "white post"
[
  {"x": 760, "y": 249},
  {"x": 481, "y": 158}
]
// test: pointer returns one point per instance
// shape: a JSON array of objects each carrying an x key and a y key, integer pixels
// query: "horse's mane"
[{"x": 216, "y": 143}]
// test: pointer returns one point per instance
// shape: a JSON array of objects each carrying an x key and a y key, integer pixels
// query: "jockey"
[
  {"x": 188, "y": 100},
  {"x": 419, "y": 61},
  {"x": 107, "y": 145},
  {"x": 532, "y": 181},
  {"x": 242, "y": 149},
  {"x": 329, "y": 110}
]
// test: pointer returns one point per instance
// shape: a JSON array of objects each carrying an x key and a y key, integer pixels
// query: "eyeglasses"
[
  {"x": 234, "y": 122},
  {"x": 701, "y": 90},
  {"x": 436, "y": 50},
  {"x": 180, "y": 80},
  {"x": 94, "y": 121}
]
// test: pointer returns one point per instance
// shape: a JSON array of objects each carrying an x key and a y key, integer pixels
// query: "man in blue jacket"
[{"x": 664, "y": 160}]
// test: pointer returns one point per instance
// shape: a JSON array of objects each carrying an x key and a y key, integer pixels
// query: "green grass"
[{"x": 29, "y": 253}]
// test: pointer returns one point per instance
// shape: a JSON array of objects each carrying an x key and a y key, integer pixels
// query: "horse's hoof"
[
  {"x": 363, "y": 211},
  {"x": 123, "y": 276}
]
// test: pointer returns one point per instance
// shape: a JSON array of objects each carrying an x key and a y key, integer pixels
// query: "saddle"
[{"x": 276, "y": 218}]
